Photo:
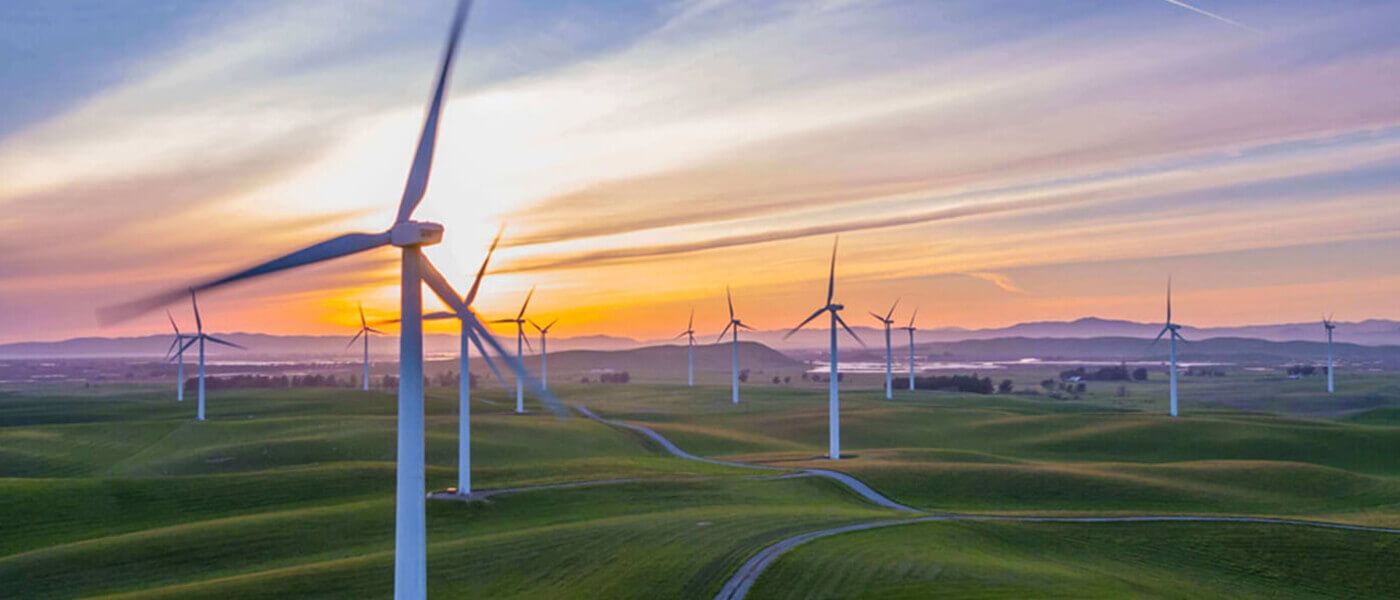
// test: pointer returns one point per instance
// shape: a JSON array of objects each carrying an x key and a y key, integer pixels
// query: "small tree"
[
  {"x": 1140, "y": 374},
  {"x": 1006, "y": 386}
]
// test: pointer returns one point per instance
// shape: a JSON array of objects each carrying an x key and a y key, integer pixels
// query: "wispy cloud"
[{"x": 1002, "y": 281}]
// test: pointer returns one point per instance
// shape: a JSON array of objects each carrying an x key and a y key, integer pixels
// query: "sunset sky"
[{"x": 990, "y": 161}]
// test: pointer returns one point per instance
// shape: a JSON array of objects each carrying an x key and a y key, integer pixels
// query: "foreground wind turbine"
[
  {"x": 364, "y": 332},
  {"x": 520, "y": 343},
  {"x": 1171, "y": 328},
  {"x": 911, "y": 329},
  {"x": 544, "y": 350},
  {"x": 834, "y": 405},
  {"x": 200, "y": 337},
  {"x": 689, "y": 333},
  {"x": 177, "y": 346},
  {"x": 735, "y": 324},
  {"x": 1329, "y": 324},
  {"x": 889, "y": 350},
  {"x": 410, "y": 535}
]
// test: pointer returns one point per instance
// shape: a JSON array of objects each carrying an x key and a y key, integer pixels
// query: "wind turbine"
[
  {"x": 734, "y": 324},
  {"x": 410, "y": 535},
  {"x": 364, "y": 332},
  {"x": 544, "y": 350},
  {"x": 889, "y": 350},
  {"x": 911, "y": 329},
  {"x": 462, "y": 311},
  {"x": 834, "y": 405},
  {"x": 1172, "y": 328},
  {"x": 689, "y": 333},
  {"x": 1329, "y": 324},
  {"x": 178, "y": 348},
  {"x": 201, "y": 337},
  {"x": 520, "y": 343}
]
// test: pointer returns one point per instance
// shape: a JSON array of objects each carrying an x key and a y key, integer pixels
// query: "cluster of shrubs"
[
  {"x": 1306, "y": 370},
  {"x": 1114, "y": 373},
  {"x": 316, "y": 380},
  {"x": 954, "y": 383},
  {"x": 235, "y": 382},
  {"x": 612, "y": 377}
]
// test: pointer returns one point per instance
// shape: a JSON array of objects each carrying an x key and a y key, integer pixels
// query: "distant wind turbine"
[
  {"x": 177, "y": 347},
  {"x": 889, "y": 350},
  {"x": 834, "y": 405},
  {"x": 1329, "y": 324},
  {"x": 736, "y": 325},
  {"x": 690, "y": 348},
  {"x": 364, "y": 332},
  {"x": 410, "y": 519},
  {"x": 911, "y": 329},
  {"x": 544, "y": 350},
  {"x": 520, "y": 343},
  {"x": 1171, "y": 328},
  {"x": 463, "y": 313},
  {"x": 201, "y": 337}
]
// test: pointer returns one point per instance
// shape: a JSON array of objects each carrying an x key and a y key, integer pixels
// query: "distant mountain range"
[{"x": 1374, "y": 332}]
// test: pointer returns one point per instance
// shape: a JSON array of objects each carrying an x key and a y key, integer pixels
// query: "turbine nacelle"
[
  {"x": 835, "y": 307},
  {"x": 415, "y": 233}
]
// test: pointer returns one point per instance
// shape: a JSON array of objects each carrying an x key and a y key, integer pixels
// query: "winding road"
[{"x": 738, "y": 585}]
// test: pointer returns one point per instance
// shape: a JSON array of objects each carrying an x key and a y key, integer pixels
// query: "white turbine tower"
[
  {"x": 177, "y": 347},
  {"x": 889, "y": 350},
  {"x": 734, "y": 324},
  {"x": 520, "y": 342},
  {"x": 364, "y": 332},
  {"x": 911, "y": 329},
  {"x": 201, "y": 337},
  {"x": 1171, "y": 328},
  {"x": 544, "y": 350},
  {"x": 689, "y": 333},
  {"x": 834, "y": 405},
  {"x": 1329, "y": 324},
  {"x": 410, "y": 535}
]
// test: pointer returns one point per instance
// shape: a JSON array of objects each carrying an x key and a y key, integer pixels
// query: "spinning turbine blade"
[
  {"x": 354, "y": 339},
  {"x": 690, "y": 325},
  {"x": 831, "y": 281},
  {"x": 373, "y": 330},
  {"x": 550, "y": 325},
  {"x": 487, "y": 357},
  {"x": 526, "y": 304},
  {"x": 417, "y": 182},
  {"x": 741, "y": 325},
  {"x": 848, "y": 329},
  {"x": 892, "y": 307},
  {"x": 219, "y": 341},
  {"x": 173, "y": 343},
  {"x": 721, "y": 334},
  {"x": 344, "y": 245},
  {"x": 1169, "y": 300},
  {"x": 911, "y": 317},
  {"x": 535, "y": 325},
  {"x": 363, "y": 324},
  {"x": 172, "y": 323},
  {"x": 198, "y": 323},
  {"x": 809, "y": 320},
  {"x": 526, "y": 339},
  {"x": 476, "y": 283},
  {"x": 1159, "y": 336},
  {"x": 730, "y": 297},
  {"x": 545, "y": 396},
  {"x": 878, "y": 317},
  {"x": 192, "y": 340}
]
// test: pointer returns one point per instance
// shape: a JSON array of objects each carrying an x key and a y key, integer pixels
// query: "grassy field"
[
  {"x": 118, "y": 493},
  {"x": 1109, "y": 561}
]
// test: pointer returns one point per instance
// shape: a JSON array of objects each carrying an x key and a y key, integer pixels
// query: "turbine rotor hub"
[{"x": 415, "y": 233}]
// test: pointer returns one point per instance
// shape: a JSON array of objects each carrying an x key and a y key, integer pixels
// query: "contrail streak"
[{"x": 1212, "y": 15}]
